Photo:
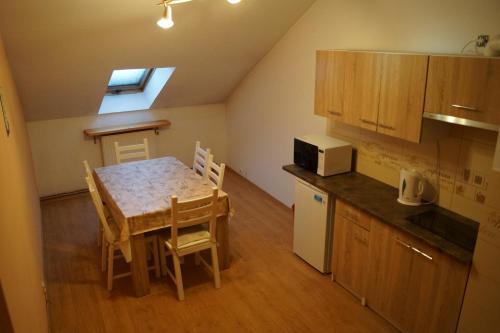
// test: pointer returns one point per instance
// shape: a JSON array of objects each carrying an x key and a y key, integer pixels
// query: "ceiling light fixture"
[{"x": 166, "y": 21}]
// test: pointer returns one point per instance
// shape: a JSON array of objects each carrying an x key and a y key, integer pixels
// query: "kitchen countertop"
[{"x": 379, "y": 200}]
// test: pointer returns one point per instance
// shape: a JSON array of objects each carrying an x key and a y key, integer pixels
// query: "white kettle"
[{"x": 411, "y": 187}]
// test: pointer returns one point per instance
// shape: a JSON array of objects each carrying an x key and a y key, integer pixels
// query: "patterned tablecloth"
[{"x": 138, "y": 193}]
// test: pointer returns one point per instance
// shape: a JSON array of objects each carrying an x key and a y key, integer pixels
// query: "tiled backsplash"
[{"x": 467, "y": 185}]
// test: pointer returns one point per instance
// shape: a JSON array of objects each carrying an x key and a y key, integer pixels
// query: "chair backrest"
[
  {"x": 88, "y": 170},
  {"x": 194, "y": 212},
  {"x": 216, "y": 172},
  {"x": 200, "y": 163},
  {"x": 96, "y": 198},
  {"x": 136, "y": 152}
]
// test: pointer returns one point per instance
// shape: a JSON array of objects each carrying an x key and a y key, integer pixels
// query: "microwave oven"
[{"x": 322, "y": 154}]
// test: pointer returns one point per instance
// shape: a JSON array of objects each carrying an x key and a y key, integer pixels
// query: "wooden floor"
[{"x": 266, "y": 289}]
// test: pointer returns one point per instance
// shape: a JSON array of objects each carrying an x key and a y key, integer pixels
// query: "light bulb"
[
  {"x": 233, "y": 2},
  {"x": 166, "y": 21}
]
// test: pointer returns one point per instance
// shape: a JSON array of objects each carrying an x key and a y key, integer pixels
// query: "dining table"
[{"x": 137, "y": 195}]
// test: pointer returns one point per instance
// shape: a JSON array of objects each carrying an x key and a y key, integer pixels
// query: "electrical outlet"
[{"x": 482, "y": 40}]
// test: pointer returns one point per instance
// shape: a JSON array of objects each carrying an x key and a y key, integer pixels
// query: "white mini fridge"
[{"x": 312, "y": 229}]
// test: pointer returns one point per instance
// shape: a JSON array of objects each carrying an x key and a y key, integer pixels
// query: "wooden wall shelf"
[{"x": 103, "y": 131}]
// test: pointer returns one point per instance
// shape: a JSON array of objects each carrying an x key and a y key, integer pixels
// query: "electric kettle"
[{"x": 411, "y": 187}]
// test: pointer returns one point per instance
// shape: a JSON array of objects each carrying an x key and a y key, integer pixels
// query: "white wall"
[
  {"x": 21, "y": 257},
  {"x": 59, "y": 146},
  {"x": 275, "y": 101}
]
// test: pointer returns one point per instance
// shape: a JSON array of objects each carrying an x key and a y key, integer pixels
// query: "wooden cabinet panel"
[
  {"x": 352, "y": 213},
  {"x": 389, "y": 273},
  {"x": 362, "y": 89},
  {"x": 414, "y": 286},
  {"x": 402, "y": 95},
  {"x": 465, "y": 87},
  {"x": 350, "y": 256},
  {"x": 329, "y": 93},
  {"x": 372, "y": 90},
  {"x": 436, "y": 289}
]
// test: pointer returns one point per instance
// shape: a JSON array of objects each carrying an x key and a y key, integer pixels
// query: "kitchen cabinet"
[
  {"x": 348, "y": 87},
  {"x": 382, "y": 92},
  {"x": 464, "y": 87},
  {"x": 413, "y": 285},
  {"x": 350, "y": 259},
  {"x": 389, "y": 273},
  {"x": 402, "y": 96},
  {"x": 362, "y": 89},
  {"x": 330, "y": 68}
]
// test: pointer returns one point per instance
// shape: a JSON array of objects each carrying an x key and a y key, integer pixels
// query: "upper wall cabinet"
[
  {"x": 330, "y": 68},
  {"x": 402, "y": 95},
  {"x": 381, "y": 92},
  {"x": 362, "y": 89},
  {"x": 465, "y": 87},
  {"x": 348, "y": 87}
]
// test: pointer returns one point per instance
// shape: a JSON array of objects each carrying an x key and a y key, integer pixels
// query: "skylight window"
[
  {"x": 134, "y": 89},
  {"x": 129, "y": 80}
]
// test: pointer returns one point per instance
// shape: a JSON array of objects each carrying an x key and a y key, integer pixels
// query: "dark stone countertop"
[{"x": 379, "y": 200}]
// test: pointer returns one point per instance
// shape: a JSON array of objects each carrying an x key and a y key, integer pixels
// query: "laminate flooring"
[{"x": 266, "y": 289}]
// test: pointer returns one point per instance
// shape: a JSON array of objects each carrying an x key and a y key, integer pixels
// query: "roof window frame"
[{"x": 131, "y": 88}]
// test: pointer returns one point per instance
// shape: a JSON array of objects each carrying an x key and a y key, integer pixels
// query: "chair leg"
[
  {"x": 156, "y": 257},
  {"x": 178, "y": 277},
  {"x": 111, "y": 252},
  {"x": 104, "y": 245},
  {"x": 215, "y": 266},
  {"x": 163, "y": 259}
]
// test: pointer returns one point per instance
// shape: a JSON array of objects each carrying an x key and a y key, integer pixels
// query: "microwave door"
[{"x": 305, "y": 155}]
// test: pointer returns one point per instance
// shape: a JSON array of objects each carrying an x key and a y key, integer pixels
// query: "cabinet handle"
[
  {"x": 468, "y": 108},
  {"x": 408, "y": 246},
  {"x": 386, "y": 127},
  {"x": 335, "y": 113},
  {"x": 368, "y": 121},
  {"x": 425, "y": 255}
]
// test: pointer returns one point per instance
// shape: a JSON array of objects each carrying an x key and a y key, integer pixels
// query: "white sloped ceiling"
[{"x": 62, "y": 52}]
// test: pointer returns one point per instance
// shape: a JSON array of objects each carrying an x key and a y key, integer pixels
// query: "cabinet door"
[
  {"x": 465, "y": 87},
  {"x": 329, "y": 93},
  {"x": 389, "y": 273},
  {"x": 362, "y": 89},
  {"x": 402, "y": 95},
  {"x": 350, "y": 256},
  {"x": 436, "y": 289}
]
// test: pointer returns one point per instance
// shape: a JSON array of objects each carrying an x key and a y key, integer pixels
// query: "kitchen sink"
[{"x": 459, "y": 230}]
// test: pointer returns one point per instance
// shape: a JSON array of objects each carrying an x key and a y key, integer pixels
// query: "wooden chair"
[
  {"x": 135, "y": 152},
  {"x": 188, "y": 236},
  {"x": 200, "y": 163},
  {"x": 110, "y": 240},
  {"x": 216, "y": 172},
  {"x": 88, "y": 171}
]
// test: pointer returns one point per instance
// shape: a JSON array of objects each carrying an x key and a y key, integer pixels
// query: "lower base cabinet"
[
  {"x": 414, "y": 286},
  {"x": 351, "y": 267}
]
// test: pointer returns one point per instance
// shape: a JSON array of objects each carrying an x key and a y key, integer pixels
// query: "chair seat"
[{"x": 190, "y": 237}]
